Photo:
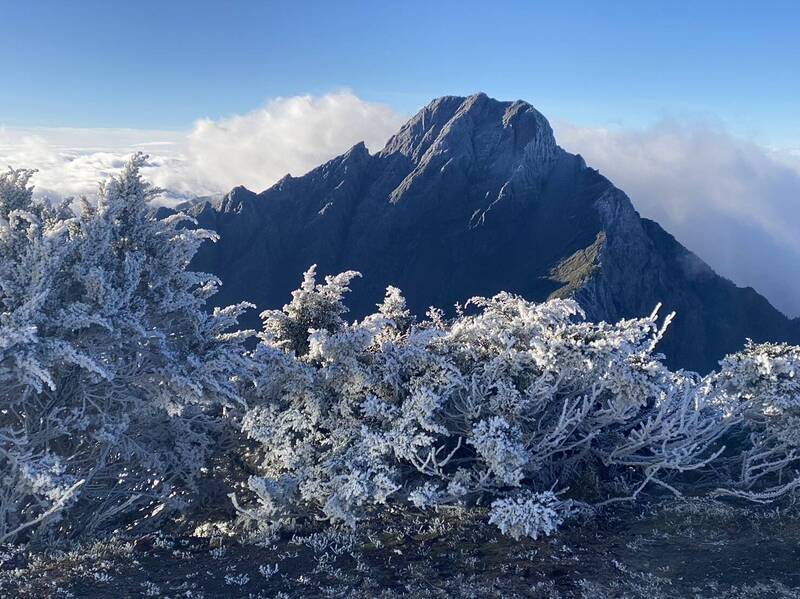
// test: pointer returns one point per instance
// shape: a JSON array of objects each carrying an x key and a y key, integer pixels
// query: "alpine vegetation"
[
  {"x": 113, "y": 377},
  {"x": 120, "y": 391},
  {"x": 761, "y": 386},
  {"x": 522, "y": 407}
]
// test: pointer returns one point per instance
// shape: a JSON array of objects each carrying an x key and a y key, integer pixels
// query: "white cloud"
[
  {"x": 734, "y": 203},
  {"x": 287, "y": 135},
  {"x": 71, "y": 162}
]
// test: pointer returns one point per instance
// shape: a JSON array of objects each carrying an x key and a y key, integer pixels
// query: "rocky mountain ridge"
[{"x": 473, "y": 196}]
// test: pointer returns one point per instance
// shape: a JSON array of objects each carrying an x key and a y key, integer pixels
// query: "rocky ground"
[{"x": 693, "y": 548}]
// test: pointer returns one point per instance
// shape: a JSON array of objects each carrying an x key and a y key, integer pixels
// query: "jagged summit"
[
  {"x": 443, "y": 125},
  {"x": 470, "y": 197},
  {"x": 506, "y": 139}
]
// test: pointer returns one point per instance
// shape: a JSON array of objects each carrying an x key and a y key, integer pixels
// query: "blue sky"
[
  {"x": 689, "y": 107},
  {"x": 161, "y": 65}
]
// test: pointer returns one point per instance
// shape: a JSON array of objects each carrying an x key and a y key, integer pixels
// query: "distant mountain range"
[{"x": 473, "y": 196}]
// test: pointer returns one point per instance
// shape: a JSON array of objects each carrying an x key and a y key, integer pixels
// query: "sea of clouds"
[
  {"x": 733, "y": 202},
  {"x": 286, "y": 135}
]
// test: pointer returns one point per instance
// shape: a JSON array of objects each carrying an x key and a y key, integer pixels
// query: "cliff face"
[{"x": 473, "y": 196}]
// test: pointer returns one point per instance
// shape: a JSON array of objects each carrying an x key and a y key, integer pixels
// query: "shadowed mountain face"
[{"x": 473, "y": 196}]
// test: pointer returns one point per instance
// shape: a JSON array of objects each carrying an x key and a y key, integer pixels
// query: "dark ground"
[{"x": 696, "y": 548}]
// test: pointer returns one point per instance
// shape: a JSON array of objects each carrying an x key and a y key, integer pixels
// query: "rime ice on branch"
[
  {"x": 116, "y": 387},
  {"x": 111, "y": 371},
  {"x": 517, "y": 397}
]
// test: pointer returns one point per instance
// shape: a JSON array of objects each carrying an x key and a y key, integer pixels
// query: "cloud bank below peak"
[
  {"x": 734, "y": 203},
  {"x": 285, "y": 136}
]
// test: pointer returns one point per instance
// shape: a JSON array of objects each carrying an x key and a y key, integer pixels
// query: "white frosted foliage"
[{"x": 112, "y": 372}]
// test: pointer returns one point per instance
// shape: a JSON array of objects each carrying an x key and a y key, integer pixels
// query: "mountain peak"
[
  {"x": 358, "y": 152},
  {"x": 454, "y": 124},
  {"x": 473, "y": 196}
]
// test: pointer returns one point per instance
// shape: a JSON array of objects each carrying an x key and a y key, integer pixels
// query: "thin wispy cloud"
[{"x": 734, "y": 203}]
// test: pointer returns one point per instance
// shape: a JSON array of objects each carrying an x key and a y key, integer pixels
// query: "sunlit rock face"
[{"x": 473, "y": 196}]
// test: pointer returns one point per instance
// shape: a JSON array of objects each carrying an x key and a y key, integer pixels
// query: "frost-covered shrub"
[
  {"x": 529, "y": 514},
  {"x": 447, "y": 413},
  {"x": 761, "y": 387},
  {"x": 312, "y": 307},
  {"x": 116, "y": 387},
  {"x": 112, "y": 374}
]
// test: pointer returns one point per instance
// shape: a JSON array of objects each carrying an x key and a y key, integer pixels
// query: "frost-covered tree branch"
[
  {"x": 497, "y": 406},
  {"x": 120, "y": 392},
  {"x": 112, "y": 374}
]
